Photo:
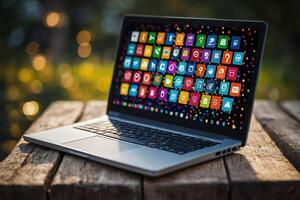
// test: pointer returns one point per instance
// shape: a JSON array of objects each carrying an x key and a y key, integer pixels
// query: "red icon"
[
  {"x": 137, "y": 76},
  {"x": 188, "y": 83},
  {"x": 235, "y": 89},
  {"x": 227, "y": 57},
  {"x": 196, "y": 55},
  {"x": 142, "y": 91},
  {"x": 127, "y": 76},
  {"x": 216, "y": 102},
  {"x": 152, "y": 93},
  {"x": 147, "y": 78},
  {"x": 139, "y": 50},
  {"x": 194, "y": 99},
  {"x": 232, "y": 73}
]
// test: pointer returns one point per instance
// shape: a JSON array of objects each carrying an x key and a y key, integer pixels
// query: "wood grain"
[
  {"x": 26, "y": 171},
  {"x": 283, "y": 129},
  {"x": 292, "y": 107},
  {"x": 79, "y": 178}
]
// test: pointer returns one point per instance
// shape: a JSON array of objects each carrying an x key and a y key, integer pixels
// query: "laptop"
[{"x": 182, "y": 93}]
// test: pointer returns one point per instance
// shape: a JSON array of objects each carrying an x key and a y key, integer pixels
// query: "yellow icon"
[
  {"x": 144, "y": 64},
  {"x": 183, "y": 97},
  {"x": 124, "y": 89},
  {"x": 166, "y": 53},
  {"x": 179, "y": 39},
  {"x": 143, "y": 37},
  {"x": 160, "y": 38},
  {"x": 148, "y": 51}
]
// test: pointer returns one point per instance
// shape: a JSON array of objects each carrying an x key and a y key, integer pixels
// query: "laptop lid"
[{"x": 195, "y": 73}]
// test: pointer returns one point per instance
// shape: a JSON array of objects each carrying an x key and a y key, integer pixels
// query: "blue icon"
[
  {"x": 181, "y": 68},
  {"x": 238, "y": 58},
  {"x": 173, "y": 96},
  {"x": 175, "y": 53},
  {"x": 178, "y": 82},
  {"x": 235, "y": 42},
  {"x": 152, "y": 65},
  {"x": 224, "y": 88},
  {"x": 131, "y": 49},
  {"x": 211, "y": 41},
  {"x": 162, "y": 66},
  {"x": 227, "y": 104},
  {"x": 133, "y": 90},
  {"x": 210, "y": 86},
  {"x": 136, "y": 63},
  {"x": 216, "y": 56},
  {"x": 199, "y": 85},
  {"x": 210, "y": 71},
  {"x": 170, "y": 38},
  {"x": 127, "y": 62},
  {"x": 191, "y": 69}
]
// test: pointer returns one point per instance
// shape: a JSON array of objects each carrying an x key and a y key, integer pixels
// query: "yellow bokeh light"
[
  {"x": 52, "y": 19},
  {"x": 84, "y": 50},
  {"x": 32, "y": 48},
  {"x": 39, "y": 62},
  {"x": 30, "y": 108},
  {"x": 25, "y": 75},
  {"x": 36, "y": 86},
  {"x": 83, "y": 36}
]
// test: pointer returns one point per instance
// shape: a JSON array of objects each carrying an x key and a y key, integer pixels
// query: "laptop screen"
[{"x": 195, "y": 73}]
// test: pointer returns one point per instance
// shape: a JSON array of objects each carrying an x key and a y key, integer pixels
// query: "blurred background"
[{"x": 63, "y": 50}]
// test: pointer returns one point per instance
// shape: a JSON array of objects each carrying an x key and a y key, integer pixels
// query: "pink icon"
[
  {"x": 172, "y": 67},
  {"x": 232, "y": 73}
]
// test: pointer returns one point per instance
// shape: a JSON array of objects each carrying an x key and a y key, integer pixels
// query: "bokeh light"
[
  {"x": 32, "y": 48},
  {"x": 83, "y": 36},
  {"x": 39, "y": 62},
  {"x": 52, "y": 19},
  {"x": 25, "y": 75},
  {"x": 84, "y": 50},
  {"x": 30, "y": 108}
]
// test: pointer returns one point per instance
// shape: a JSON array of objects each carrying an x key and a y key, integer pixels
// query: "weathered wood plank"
[
  {"x": 79, "y": 178},
  {"x": 27, "y": 169},
  {"x": 292, "y": 107},
  {"x": 283, "y": 129},
  {"x": 260, "y": 170}
]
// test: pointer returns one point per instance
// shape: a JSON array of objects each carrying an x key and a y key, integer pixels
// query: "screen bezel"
[{"x": 242, "y": 135}]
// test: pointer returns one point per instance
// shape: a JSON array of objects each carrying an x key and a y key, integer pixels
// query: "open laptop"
[{"x": 182, "y": 93}]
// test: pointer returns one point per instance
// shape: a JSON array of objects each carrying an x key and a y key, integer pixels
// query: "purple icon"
[
  {"x": 172, "y": 67},
  {"x": 189, "y": 39},
  {"x": 185, "y": 53},
  {"x": 163, "y": 94},
  {"x": 205, "y": 55}
]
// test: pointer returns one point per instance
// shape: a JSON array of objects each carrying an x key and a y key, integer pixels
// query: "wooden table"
[{"x": 267, "y": 168}]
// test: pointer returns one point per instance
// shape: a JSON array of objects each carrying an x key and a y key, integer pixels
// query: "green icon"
[
  {"x": 157, "y": 79},
  {"x": 157, "y": 51},
  {"x": 223, "y": 42},
  {"x": 168, "y": 81},
  {"x": 200, "y": 40},
  {"x": 205, "y": 100},
  {"x": 151, "y": 37}
]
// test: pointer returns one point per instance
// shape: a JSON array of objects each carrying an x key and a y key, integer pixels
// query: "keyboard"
[{"x": 145, "y": 136}]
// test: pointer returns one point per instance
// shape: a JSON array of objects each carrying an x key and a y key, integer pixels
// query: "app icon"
[
  {"x": 162, "y": 66},
  {"x": 175, "y": 53},
  {"x": 143, "y": 37},
  {"x": 227, "y": 104},
  {"x": 139, "y": 50},
  {"x": 199, "y": 85},
  {"x": 127, "y": 62},
  {"x": 157, "y": 51},
  {"x": 163, "y": 94},
  {"x": 124, "y": 89},
  {"x": 148, "y": 50},
  {"x": 191, "y": 69},
  {"x": 232, "y": 73},
  {"x": 178, "y": 82},
  {"x": 133, "y": 90},
  {"x": 144, "y": 64},
  {"x": 173, "y": 96},
  {"x": 189, "y": 39},
  {"x": 142, "y": 92},
  {"x": 185, "y": 54},
  {"x": 224, "y": 88},
  {"x": 195, "y": 55},
  {"x": 235, "y": 89},
  {"x": 160, "y": 38},
  {"x": 134, "y": 36},
  {"x": 172, "y": 67},
  {"x": 170, "y": 38},
  {"x": 166, "y": 52},
  {"x": 200, "y": 70},
  {"x": 227, "y": 57},
  {"x": 127, "y": 76},
  {"x": 152, "y": 93},
  {"x": 152, "y": 65},
  {"x": 188, "y": 83},
  {"x": 131, "y": 49},
  {"x": 210, "y": 86},
  {"x": 194, "y": 99},
  {"x": 216, "y": 56},
  {"x": 238, "y": 58},
  {"x": 223, "y": 42},
  {"x": 147, "y": 78},
  {"x": 168, "y": 82},
  {"x": 179, "y": 39},
  {"x": 216, "y": 102},
  {"x": 211, "y": 41},
  {"x": 205, "y": 100},
  {"x": 235, "y": 42},
  {"x": 181, "y": 68},
  {"x": 200, "y": 40},
  {"x": 151, "y": 37},
  {"x": 157, "y": 79},
  {"x": 221, "y": 72},
  {"x": 136, "y": 63},
  {"x": 137, "y": 76},
  {"x": 183, "y": 97},
  {"x": 205, "y": 57},
  {"x": 210, "y": 71}
]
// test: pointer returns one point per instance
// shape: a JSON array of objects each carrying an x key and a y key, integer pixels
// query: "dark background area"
[{"x": 57, "y": 49}]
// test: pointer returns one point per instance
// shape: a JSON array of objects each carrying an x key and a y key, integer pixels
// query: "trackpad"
[{"x": 100, "y": 145}]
